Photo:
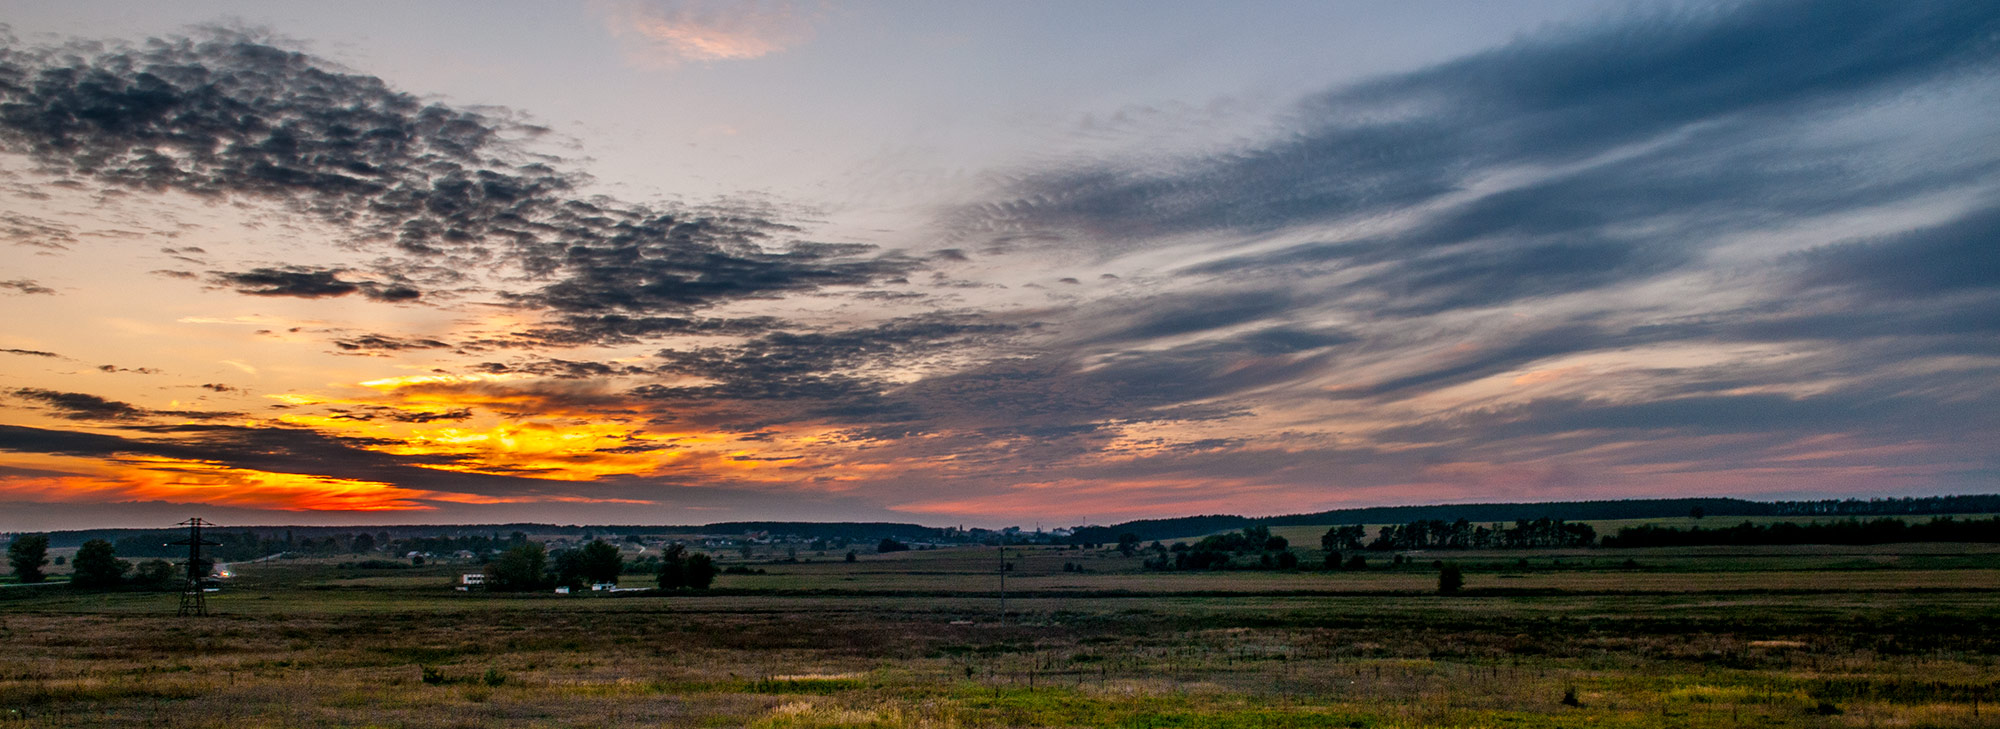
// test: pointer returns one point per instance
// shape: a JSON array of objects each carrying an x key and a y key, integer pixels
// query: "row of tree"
[
  {"x": 1224, "y": 551},
  {"x": 96, "y": 566},
  {"x": 1852, "y": 531},
  {"x": 1462, "y": 534},
  {"x": 528, "y": 566}
]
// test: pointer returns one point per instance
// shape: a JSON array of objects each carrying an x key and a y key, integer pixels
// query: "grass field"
[{"x": 1899, "y": 635}]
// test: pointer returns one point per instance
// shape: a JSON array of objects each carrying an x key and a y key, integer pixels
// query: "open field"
[{"x": 1901, "y": 635}]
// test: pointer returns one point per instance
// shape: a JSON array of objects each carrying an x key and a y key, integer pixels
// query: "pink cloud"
[{"x": 666, "y": 33}]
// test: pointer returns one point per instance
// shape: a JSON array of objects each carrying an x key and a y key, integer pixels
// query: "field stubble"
[{"x": 305, "y": 645}]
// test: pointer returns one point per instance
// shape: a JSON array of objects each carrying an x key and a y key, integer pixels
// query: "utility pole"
[{"x": 1003, "y": 584}]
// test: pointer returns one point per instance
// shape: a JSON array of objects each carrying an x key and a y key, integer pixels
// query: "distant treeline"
[
  {"x": 1188, "y": 526},
  {"x": 1462, "y": 534},
  {"x": 849, "y": 531},
  {"x": 1852, "y": 531}
]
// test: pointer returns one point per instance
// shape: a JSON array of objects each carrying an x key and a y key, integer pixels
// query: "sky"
[{"x": 991, "y": 264}]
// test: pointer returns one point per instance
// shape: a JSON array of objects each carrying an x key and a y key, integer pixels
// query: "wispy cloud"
[
  {"x": 667, "y": 33},
  {"x": 1737, "y": 249}
]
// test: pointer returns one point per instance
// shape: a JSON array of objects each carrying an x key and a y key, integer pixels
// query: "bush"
[{"x": 888, "y": 545}]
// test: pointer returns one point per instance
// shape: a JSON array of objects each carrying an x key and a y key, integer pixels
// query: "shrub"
[{"x": 1450, "y": 580}]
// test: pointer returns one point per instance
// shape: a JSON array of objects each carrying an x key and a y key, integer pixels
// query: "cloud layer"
[{"x": 1743, "y": 249}]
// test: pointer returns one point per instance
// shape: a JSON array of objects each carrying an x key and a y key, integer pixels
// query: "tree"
[
  {"x": 569, "y": 568},
  {"x": 518, "y": 569},
  {"x": 1128, "y": 543},
  {"x": 97, "y": 565},
  {"x": 1277, "y": 544},
  {"x": 28, "y": 554},
  {"x": 157, "y": 574},
  {"x": 1343, "y": 538},
  {"x": 363, "y": 543},
  {"x": 1450, "y": 579},
  {"x": 700, "y": 572},
  {"x": 851, "y": 556},
  {"x": 680, "y": 569},
  {"x": 600, "y": 562},
  {"x": 1288, "y": 560},
  {"x": 673, "y": 567},
  {"x": 891, "y": 545}
]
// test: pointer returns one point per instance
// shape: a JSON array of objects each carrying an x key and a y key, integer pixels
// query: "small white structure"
[{"x": 472, "y": 578}]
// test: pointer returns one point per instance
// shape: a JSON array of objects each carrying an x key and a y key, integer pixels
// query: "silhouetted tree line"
[
  {"x": 474, "y": 543},
  {"x": 236, "y": 546},
  {"x": 1152, "y": 529},
  {"x": 1963, "y": 504},
  {"x": 1463, "y": 534},
  {"x": 1852, "y": 531},
  {"x": 96, "y": 567},
  {"x": 233, "y": 547},
  {"x": 1221, "y": 551}
]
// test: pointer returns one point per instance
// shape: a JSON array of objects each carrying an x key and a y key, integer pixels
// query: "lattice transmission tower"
[{"x": 194, "y": 600}]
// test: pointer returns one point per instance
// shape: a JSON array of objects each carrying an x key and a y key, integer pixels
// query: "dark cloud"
[
  {"x": 562, "y": 369},
  {"x": 24, "y": 286},
  {"x": 299, "y": 282},
  {"x": 274, "y": 450},
  {"x": 27, "y": 230},
  {"x": 372, "y": 412},
  {"x": 80, "y": 406},
  {"x": 607, "y": 329},
  {"x": 820, "y": 366},
  {"x": 1169, "y": 316},
  {"x": 385, "y": 343},
  {"x": 31, "y": 353},
  {"x": 1959, "y": 256},
  {"x": 1650, "y": 139},
  {"x": 135, "y": 370},
  {"x": 1557, "y": 97},
  {"x": 227, "y": 116},
  {"x": 219, "y": 387}
]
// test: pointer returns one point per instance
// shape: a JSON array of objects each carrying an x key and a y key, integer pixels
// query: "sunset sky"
[{"x": 648, "y": 262}]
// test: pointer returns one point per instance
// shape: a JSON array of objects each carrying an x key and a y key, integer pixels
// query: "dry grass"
[{"x": 307, "y": 646}]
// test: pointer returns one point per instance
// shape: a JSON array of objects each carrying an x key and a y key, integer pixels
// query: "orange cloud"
[{"x": 185, "y": 481}]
